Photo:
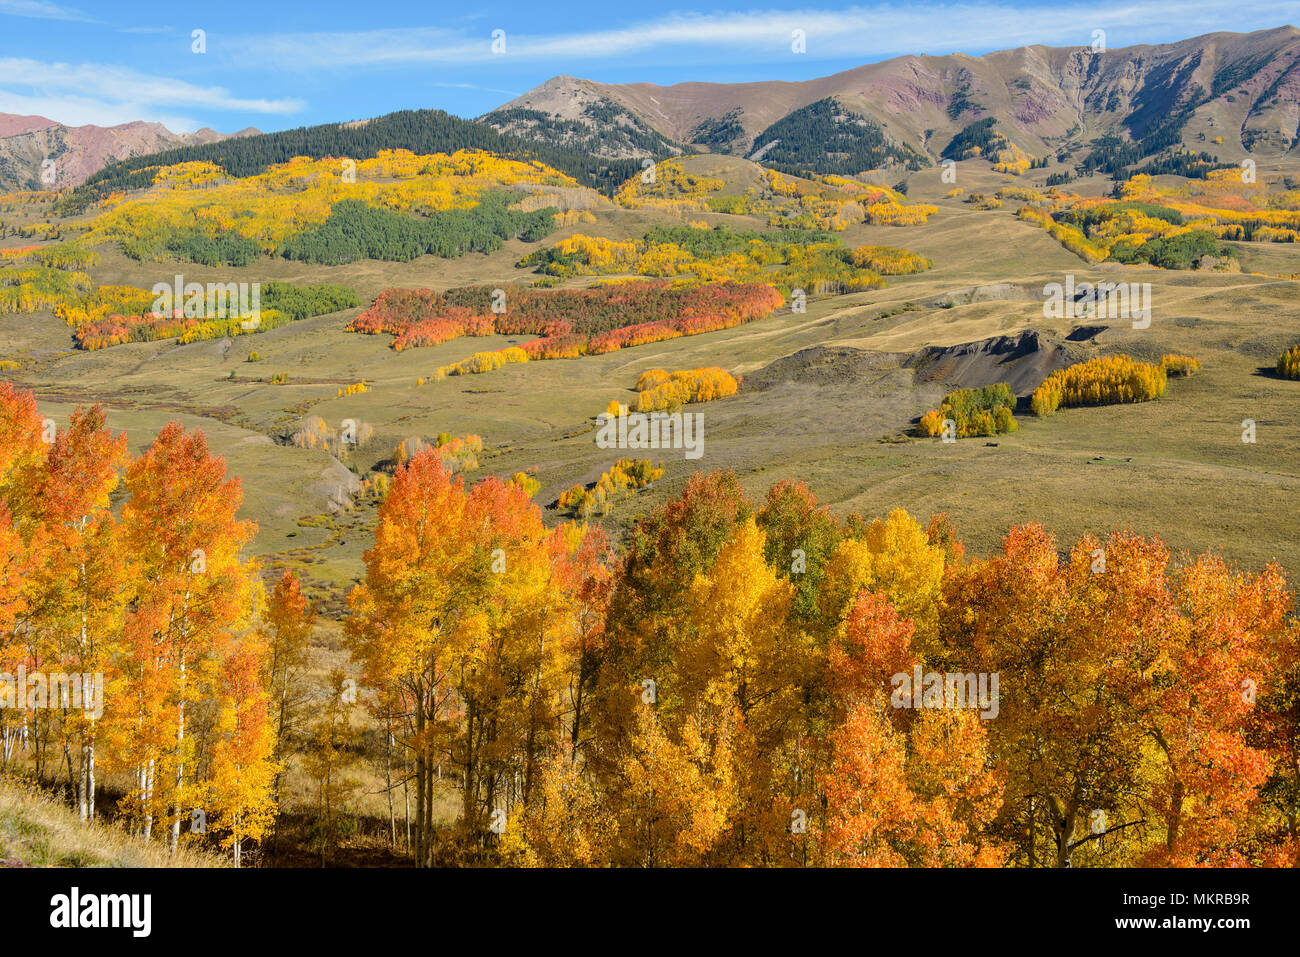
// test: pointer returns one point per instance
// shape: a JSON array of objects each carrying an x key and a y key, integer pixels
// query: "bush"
[
  {"x": 1180, "y": 365},
  {"x": 888, "y": 261},
  {"x": 481, "y": 362},
  {"x": 626, "y": 475},
  {"x": 530, "y": 485}
]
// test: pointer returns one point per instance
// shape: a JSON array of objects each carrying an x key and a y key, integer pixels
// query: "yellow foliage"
[
  {"x": 624, "y": 476},
  {"x": 1102, "y": 381},
  {"x": 671, "y": 187},
  {"x": 483, "y": 362},
  {"x": 680, "y": 388},
  {"x": 889, "y": 261},
  {"x": 291, "y": 197},
  {"x": 1288, "y": 364},
  {"x": 1180, "y": 365},
  {"x": 896, "y": 559}
]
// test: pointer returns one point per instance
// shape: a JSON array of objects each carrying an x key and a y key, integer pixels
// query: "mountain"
[
  {"x": 1175, "y": 107},
  {"x": 12, "y": 124},
  {"x": 577, "y": 115},
  {"x": 77, "y": 152},
  {"x": 1136, "y": 101}
]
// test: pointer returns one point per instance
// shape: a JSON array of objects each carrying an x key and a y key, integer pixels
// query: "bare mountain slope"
[
  {"x": 27, "y": 142},
  {"x": 1242, "y": 88}
]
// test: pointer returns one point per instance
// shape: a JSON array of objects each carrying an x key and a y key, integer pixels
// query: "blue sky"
[{"x": 278, "y": 65}]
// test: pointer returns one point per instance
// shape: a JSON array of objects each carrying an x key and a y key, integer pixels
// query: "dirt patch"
[
  {"x": 1022, "y": 361},
  {"x": 1085, "y": 333}
]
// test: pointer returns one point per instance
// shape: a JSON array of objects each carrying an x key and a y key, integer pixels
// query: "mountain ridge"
[
  {"x": 78, "y": 152},
  {"x": 1045, "y": 97}
]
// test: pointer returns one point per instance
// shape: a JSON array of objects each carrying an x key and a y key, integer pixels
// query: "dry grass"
[{"x": 38, "y": 831}]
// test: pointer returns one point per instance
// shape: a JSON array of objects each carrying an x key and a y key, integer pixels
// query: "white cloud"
[
  {"x": 856, "y": 32},
  {"x": 475, "y": 86},
  {"x": 41, "y": 10},
  {"x": 94, "y": 93},
  {"x": 80, "y": 111}
]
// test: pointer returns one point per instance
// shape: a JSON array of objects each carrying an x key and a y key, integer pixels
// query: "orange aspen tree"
[
  {"x": 192, "y": 592},
  {"x": 77, "y": 594},
  {"x": 1197, "y": 705},
  {"x": 905, "y": 788},
  {"x": 288, "y": 622},
  {"x": 583, "y": 557},
  {"x": 14, "y": 566},
  {"x": 404, "y": 614},
  {"x": 23, "y": 448},
  {"x": 503, "y": 651}
]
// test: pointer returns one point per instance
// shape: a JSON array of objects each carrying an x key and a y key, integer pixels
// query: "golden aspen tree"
[
  {"x": 404, "y": 613},
  {"x": 241, "y": 786}
]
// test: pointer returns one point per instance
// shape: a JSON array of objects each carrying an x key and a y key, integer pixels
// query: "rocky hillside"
[
  {"x": 76, "y": 152},
  {"x": 577, "y": 115},
  {"x": 1223, "y": 94}
]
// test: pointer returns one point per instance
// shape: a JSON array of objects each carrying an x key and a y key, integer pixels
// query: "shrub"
[
  {"x": 481, "y": 362},
  {"x": 1180, "y": 365},
  {"x": 530, "y": 485},
  {"x": 626, "y": 475},
  {"x": 888, "y": 261}
]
